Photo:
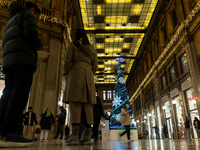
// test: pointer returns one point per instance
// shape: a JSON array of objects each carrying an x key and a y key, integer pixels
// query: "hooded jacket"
[{"x": 21, "y": 40}]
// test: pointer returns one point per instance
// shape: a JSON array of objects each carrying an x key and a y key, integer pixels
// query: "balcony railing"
[{"x": 46, "y": 11}]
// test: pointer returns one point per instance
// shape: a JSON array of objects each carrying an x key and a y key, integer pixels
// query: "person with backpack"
[
  {"x": 157, "y": 131},
  {"x": 20, "y": 44}
]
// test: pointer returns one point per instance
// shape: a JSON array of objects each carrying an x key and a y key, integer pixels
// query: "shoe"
[
  {"x": 41, "y": 140},
  {"x": 14, "y": 140},
  {"x": 86, "y": 137},
  {"x": 45, "y": 140},
  {"x": 73, "y": 139},
  {"x": 35, "y": 139},
  {"x": 130, "y": 140}
]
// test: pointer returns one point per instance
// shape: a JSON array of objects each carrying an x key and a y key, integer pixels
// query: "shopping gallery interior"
[{"x": 148, "y": 56}]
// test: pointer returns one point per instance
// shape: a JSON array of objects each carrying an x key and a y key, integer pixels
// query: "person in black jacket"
[
  {"x": 61, "y": 121},
  {"x": 187, "y": 126},
  {"x": 196, "y": 124},
  {"x": 30, "y": 118},
  {"x": 97, "y": 113},
  {"x": 20, "y": 44},
  {"x": 66, "y": 132},
  {"x": 165, "y": 131},
  {"x": 46, "y": 121}
]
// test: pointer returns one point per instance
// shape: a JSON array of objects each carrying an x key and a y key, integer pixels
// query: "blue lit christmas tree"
[{"x": 121, "y": 97}]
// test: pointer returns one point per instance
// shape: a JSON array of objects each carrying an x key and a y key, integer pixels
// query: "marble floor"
[{"x": 119, "y": 145}]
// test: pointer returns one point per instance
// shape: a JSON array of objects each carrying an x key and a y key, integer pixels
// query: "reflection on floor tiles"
[{"x": 119, "y": 145}]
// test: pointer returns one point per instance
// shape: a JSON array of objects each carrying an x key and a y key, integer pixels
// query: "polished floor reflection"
[{"x": 122, "y": 145}]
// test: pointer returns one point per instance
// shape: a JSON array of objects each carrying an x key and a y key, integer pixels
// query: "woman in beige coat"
[
  {"x": 125, "y": 121},
  {"x": 80, "y": 67}
]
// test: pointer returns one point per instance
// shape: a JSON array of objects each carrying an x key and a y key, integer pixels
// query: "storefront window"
[
  {"x": 159, "y": 120},
  {"x": 178, "y": 106},
  {"x": 190, "y": 100},
  {"x": 184, "y": 63},
  {"x": 47, "y": 3}
]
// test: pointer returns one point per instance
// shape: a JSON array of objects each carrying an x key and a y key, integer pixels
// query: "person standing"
[
  {"x": 187, "y": 126},
  {"x": 196, "y": 124},
  {"x": 147, "y": 134},
  {"x": 61, "y": 121},
  {"x": 97, "y": 113},
  {"x": 80, "y": 66},
  {"x": 126, "y": 122},
  {"x": 157, "y": 132},
  {"x": 46, "y": 122},
  {"x": 165, "y": 131},
  {"x": 20, "y": 44},
  {"x": 30, "y": 118},
  {"x": 67, "y": 132}
]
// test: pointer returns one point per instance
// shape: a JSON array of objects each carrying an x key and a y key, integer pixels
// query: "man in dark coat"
[
  {"x": 20, "y": 44},
  {"x": 165, "y": 131},
  {"x": 66, "y": 132},
  {"x": 61, "y": 121},
  {"x": 97, "y": 113},
  {"x": 30, "y": 118}
]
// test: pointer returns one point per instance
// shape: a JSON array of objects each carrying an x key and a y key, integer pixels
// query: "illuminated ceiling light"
[
  {"x": 100, "y": 66},
  {"x": 113, "y": 62},
  {"x": 113, "y": 50},
  {"x": 116, "y": 19},
  {"x": 122, "y": 65},
  {"x": 149, "y": 115},
  {"x": 126, "y": 45},
  {"x": 145, "y": 117},
  {"x": 90, "y": 18},
  {"x": 99, "y": 10},
  {"x": 164, "y": 107},
  {"x": 138, "y": 121},
  {"x": 99, "y": 46},
  {"x": 101, "y": 79},
  {"x": 118, "y": 1},
  {"x": 174, "y": 102},
  {"x": 114, "y": 39},
  {"x": 107, "y": 69},
  {"x": 137, "y": 9}
]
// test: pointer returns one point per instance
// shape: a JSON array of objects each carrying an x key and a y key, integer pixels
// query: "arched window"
[{"x": 47, "y": 4}]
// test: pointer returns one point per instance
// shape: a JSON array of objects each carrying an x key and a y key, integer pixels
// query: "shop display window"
[
  {"x": 153, "y": 122},
  {"x": 159, "y": 120},
  {"x": 190, "y": 99},
  {"x": 172, "y": 73},
  {"x": 178, "y": 107},
  {"x": 167, "y": 109}
]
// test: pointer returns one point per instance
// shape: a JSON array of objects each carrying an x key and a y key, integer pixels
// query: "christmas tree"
[{"x": 121, "y": 97}]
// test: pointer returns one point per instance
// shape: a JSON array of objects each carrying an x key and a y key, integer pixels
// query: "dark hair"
[
  {"x": 80, "y": 33},
  {"x": 30, "y": 108},
  {"x": 61, "y": 107},
  {"x": 31, "y": 5},
  {"x": 124, "y": 106}
]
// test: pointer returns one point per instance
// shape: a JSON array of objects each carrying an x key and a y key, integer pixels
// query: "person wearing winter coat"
[
  {"x": 20, "y": 44},
  {"x": 46, "y": 122},
  {"x": 156, "y": 131},
  {"x": 187, "y": 127},
  {"x": 79, "y": 68},
  {"x": 165, "y": 131},
  {"x": 196, "y": 124},
  {"x": 97, "y": 114},
  {"x": 125, "y": 121}
]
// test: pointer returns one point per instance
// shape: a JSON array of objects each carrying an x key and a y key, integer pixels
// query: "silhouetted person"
[
  {"x": 165, "y": 131},
  {"x": 20, "y": 44},
  {"x": 187, "y": 127},
  {"x": 196, "y": 124},
  {"x": 97, "y": 113}
]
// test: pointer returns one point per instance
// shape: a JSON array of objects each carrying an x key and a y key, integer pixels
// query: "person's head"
[
  {"x": 61, "y": 107},
  {"x": 195, "y": 118},
  {"x": 187, "y": 117},
  {"x": 80, "y": 34},
  {"x": 30, "y": 109},
  {"x": 97, "y": 97},
  {"x": 48, "y": 112},
  {"x": 32, "y": 7},
  {"x": 163, "y": 124}
]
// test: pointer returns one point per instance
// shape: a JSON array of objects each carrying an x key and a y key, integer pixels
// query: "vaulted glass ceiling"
[{"x": 116, "y": 28}]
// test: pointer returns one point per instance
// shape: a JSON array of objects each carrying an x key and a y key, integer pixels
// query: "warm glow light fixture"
[
  {"x": 99, "y": 10},
  {"x": 137, "y": 9}
]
